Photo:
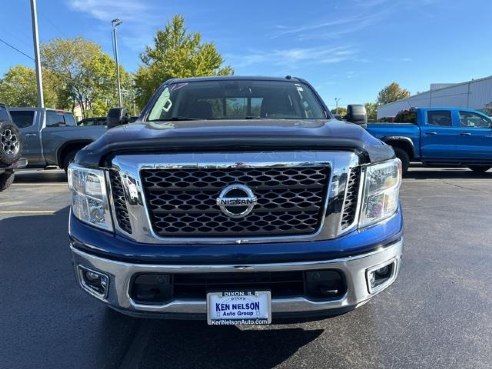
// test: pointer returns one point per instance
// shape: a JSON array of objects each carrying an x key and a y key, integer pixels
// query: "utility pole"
[
  {"x": 337, "y": 99},
  {"x": 37, "y": 59},
  {"x": 115, "y": 23}
]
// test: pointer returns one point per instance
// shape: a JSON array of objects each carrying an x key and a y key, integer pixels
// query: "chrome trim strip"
[
  {"x": 408, "y": 140},
  {"x": 359, "y": 199},
  {"x": 130, "y": 166},
  {"x": 354, "y": 269}
]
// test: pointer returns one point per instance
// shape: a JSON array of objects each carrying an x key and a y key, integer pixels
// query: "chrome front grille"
[
  {"x": 350, "y": 203},
  {"x": 177, "y": 198},
  {"x": 183, "y": 202},
  {"x": 119, "y": 202}
]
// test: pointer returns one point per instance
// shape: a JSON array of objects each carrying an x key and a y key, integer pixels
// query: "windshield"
[{"x": 236, "y": 99}]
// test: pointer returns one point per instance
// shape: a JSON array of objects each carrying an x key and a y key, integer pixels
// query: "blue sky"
[{"x": 348, "y": 49}]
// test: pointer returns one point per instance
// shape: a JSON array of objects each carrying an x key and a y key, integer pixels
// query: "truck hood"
[{"x": 233, "y": 135}]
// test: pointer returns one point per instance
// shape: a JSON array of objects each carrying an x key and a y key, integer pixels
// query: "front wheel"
[
  {"x": 68, "y": 159},
  {"x": 479, "y": 168},
  {"x": 404, "y": 157},
  {"x": 6, "y": 179},
  {"x": 10, "y": 143}
]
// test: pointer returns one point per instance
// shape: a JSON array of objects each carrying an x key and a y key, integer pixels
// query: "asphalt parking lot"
[{"x": 437, "y": 315}]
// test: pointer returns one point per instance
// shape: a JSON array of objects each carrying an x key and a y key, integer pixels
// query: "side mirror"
[
  {"x": 356, "y": 113},
  {"x": 116, "y": 117}
]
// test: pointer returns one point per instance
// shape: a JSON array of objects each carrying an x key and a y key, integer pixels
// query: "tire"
[
  {"x": 404, "y": 157},
  {"x": 479, "y": 168},
  {"x": 6, "y": 179},
  {"x": 68, "y": 159},
  {"x": 10, "y": 143}
]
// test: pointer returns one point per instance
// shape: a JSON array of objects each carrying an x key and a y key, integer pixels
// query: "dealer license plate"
[{"x": 239, "y": 307}]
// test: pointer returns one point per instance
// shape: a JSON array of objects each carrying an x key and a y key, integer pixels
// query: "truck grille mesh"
[
  {"x": 182, "y": 202},
  {"x": 351, "y": 199},
  {"x": 119, "y": 202}
]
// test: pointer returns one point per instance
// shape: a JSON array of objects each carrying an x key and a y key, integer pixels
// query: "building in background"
[{"x": 475, "y": 94}]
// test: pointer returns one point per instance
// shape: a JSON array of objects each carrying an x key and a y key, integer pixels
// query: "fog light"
[
  {"x": 92, "y": 276},
  {"x": 151, "y": 289},
  {"x": 382, "y": 272},
  {"x": 94, "y": 282},
  {"x": 379, "y": 277},
  {"x": 323, "y": 284}
]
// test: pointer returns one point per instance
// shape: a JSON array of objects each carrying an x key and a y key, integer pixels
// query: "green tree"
[
  {"x": 176, "y": 54},
  {"x": 392, "y": 92},
  {"x": 372, "y": 111},
  {"x": 18, "y": 87},
  {"x": 86, "y": 76},
  {"x": 341, "y": 111}
]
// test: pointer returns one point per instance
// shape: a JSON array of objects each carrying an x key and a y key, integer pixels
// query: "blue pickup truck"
[
  {"x": 236, "y": 200},
  {"x": 439, "y": 136}
]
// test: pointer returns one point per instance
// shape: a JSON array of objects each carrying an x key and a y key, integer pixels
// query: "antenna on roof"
[{"x": 288, "y": 77}]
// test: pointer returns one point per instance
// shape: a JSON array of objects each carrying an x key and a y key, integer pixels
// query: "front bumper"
[{"x": 355, "y": 269}]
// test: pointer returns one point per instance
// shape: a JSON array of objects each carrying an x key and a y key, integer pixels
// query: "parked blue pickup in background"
[{"x": 439, "y": 136}]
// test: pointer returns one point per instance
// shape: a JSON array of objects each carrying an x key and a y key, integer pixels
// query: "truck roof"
[
  {"x": 38, "y": 109},
  {"x": 234, "y": 78},
  {"x": 439, "y": 108}
]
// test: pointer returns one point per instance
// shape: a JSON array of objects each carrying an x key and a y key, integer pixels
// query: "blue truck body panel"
[
  {"x": 441, "y": 135},
  {"x": 109, "y": 245}
]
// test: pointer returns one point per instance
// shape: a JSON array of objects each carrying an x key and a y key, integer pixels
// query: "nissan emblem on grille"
[{"x": 236, "y": 201}]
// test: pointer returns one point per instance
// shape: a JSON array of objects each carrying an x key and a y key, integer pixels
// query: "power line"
[
  {"x": 23, "y": 53},
  {"x": 52, "y": 24},
  {"x": 19, "y": 37},
  {"x": 16, "y": 49}
]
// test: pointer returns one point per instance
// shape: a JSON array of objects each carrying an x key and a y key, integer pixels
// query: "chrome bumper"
[{"x": 355, "y": 270}]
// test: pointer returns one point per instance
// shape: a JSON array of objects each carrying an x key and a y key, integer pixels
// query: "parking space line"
[
  {"x": 28, "y": 211},
  {"x": 37, "y": 184}
]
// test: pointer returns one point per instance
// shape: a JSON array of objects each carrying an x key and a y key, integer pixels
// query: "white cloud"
[
  {"x": 363, "y": 14},
  {"x": 106, "y": 10},
  {"x": 139, "y": 19},
  {"x": 286, "y": 31},
  {"x": 293, "y": 57},
  {"x": 333, "y": 28}
]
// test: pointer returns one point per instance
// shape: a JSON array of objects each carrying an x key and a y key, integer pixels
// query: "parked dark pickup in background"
[{"x": 51, "y": 137}]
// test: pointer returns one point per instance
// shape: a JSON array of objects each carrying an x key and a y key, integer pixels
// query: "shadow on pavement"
[
  {"x": 193, "y": 344},
  {"x": 46, "y": 320}
]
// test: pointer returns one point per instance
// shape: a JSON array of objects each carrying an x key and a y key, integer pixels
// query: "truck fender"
[
  {"x": 402, "y": 142},
  {"x": 403, "y": 147},
  {"x": 69, "y": 148}
]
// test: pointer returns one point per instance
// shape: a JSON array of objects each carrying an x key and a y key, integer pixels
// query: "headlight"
[
  {"x": 381, "y": 192},
  {"x": 89, "y": 196}
]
